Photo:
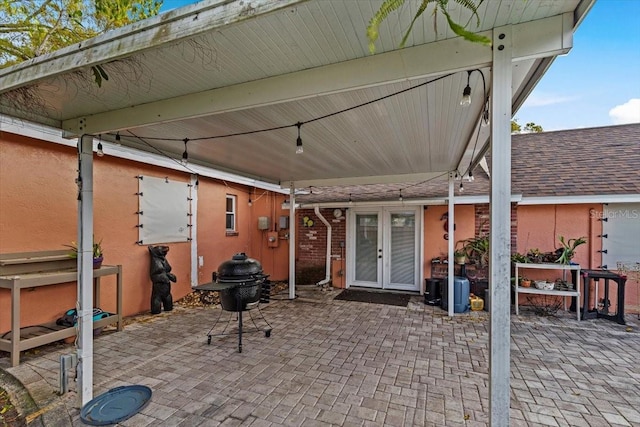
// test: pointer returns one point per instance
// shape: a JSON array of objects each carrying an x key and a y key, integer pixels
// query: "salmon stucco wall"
[
  {"x": 38, "y": 211},
  {"x": 435, "y": 244},
  {"x": 540, "y": 226},
  {"x": 215, "y": 245}
]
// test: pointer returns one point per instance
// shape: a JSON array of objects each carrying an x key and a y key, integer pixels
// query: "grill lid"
[{"x": 240, "y": 266}]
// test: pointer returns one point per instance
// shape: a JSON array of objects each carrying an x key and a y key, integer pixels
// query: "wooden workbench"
[{"x": 29, "y": 270}]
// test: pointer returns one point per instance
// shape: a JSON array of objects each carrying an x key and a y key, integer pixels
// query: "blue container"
[{"x": 460, "y": 294}]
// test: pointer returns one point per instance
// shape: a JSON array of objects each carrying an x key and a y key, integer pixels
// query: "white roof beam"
[
  {"x": 545, "y": 37},
  {"x": 363, "y": 180},
  {"x": 390, "y": 67}
]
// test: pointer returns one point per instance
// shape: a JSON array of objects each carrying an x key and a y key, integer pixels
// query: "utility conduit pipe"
[{"x": 327, "y": 277}]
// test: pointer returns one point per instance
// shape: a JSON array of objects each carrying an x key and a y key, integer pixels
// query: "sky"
[{"x": 596, "y": 84}]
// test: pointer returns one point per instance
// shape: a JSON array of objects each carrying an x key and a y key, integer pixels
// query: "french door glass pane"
[
  {"x": 367, "y": 247},
  {"x": 403, "y": 247}
]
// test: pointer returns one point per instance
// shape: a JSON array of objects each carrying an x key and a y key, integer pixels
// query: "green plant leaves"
[
  {"x": 389, "y": 6},
  {"x": 99, "y": 74}
]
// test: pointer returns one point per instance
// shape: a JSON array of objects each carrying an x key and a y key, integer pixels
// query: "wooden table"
[{"x": 29, "y": 270}]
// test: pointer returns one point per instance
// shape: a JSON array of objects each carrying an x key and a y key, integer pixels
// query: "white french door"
[{"x": 384, "y": 248}]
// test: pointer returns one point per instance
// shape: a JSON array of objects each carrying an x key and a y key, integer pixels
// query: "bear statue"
[{"x": 161, "y": 277}]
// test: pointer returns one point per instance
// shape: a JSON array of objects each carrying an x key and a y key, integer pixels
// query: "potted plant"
[
  {"x": 517, "y": 257},
  {"x": 568, "y": 249},
  {"x": 98, "y": 254},
  {"x": 525, "y": 282},
  {"x": 460, "y": 256},
  {"x": 477, "y": 250}
]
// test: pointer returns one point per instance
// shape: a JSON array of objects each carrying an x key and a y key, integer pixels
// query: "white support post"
[
  {"x": 292, "y": 241},
  {"x": 450, "y": 247},
  {"x": 500, "y": 223},
  {"x": 194, "y": 231},
  {"x": 85, "y": 269}
]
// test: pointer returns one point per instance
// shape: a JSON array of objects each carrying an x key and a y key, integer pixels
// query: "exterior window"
[{"x": 231, "y": 213}]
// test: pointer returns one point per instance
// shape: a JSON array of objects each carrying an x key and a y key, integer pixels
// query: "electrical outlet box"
[
  {"x": 263, "y": 223},
  {"x": 283, "y": 223}
]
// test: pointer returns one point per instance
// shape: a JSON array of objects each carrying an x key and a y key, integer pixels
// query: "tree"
[
  {"x": 31, "y": 28},
  {"x": 530, "y": 127},
  {"x": 389, "y": 6}
]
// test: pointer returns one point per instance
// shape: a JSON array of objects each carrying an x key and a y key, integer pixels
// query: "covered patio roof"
[
  {"x": 235, "y": 83},
  {"x": 219, "y": 68}
]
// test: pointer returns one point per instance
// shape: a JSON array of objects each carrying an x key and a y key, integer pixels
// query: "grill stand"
[{"x": 267, "y": 331}]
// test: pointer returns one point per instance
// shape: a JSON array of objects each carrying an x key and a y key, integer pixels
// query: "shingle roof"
[
  {"x": 594, "y": 161},
  {"x": 577, "y": 162}
]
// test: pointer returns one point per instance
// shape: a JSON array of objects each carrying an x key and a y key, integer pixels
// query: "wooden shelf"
[{"x": 17, "y": 275}]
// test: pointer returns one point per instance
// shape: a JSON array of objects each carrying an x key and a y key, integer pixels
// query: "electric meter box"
[
  {"x": 284, "y": 222},
  {"x": 263, "y": 223}
]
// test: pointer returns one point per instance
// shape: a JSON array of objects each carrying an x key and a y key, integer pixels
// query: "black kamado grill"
[{"x": 242, "y": 286}]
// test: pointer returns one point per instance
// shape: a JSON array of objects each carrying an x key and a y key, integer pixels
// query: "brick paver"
[{"x": 346, "y": 363}]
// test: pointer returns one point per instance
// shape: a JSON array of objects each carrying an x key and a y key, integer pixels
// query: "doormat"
[{"x": 387, "y": 298}]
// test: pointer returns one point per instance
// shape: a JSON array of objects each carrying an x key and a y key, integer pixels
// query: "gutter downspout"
[{"x": 327, "y": 277}]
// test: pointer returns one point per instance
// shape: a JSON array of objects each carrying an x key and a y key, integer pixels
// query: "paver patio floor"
[{"x": 355, "y": 364}]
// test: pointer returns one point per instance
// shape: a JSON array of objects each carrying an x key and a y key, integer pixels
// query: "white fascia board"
[
  {"x": 572, "y": 200},
  {"x": 347, "y": 205},
  {"x": 364, "y": 180},
  {"x": 541, "y": 38},
  {"x": 437, "y": 201},
  {"x": 48, "y": 134},
  {"x": 168, "y": 27}
]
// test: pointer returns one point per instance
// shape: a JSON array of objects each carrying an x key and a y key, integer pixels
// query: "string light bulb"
[
  {"x": 400, "y": 197},
  {"x": 471, "y": 178},
  {"x": 299, "y": 148},
  {"x": 250, "y": 203},
  {"x": 99, "y": 151},
  {"x": 185, "y": 155},
  {"x": 461, "y": 189},
  {"x": 350, "y": 200},
  {"x": 466, "y": 93}
]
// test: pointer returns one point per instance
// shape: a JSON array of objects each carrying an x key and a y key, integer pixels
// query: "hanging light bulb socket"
[
  {"x": 118, "y": 137},
  {"x": 299, "y": 147},
  {"x": 485, "y": 118},
  {"x": 99, "y": 151},
  {"x": 400, "y": 197},
  {"x": 461, "y": 189},
  {"x": 466, "y": 93},
  {"x": 350, "y": 200},
  {"x": 185, "y": 154},
  {"x": 470, "y": 176},
  {"x": 250, "y": 203}
]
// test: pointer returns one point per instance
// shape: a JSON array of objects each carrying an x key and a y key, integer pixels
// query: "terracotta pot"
[{"x": 525, "y": 283}]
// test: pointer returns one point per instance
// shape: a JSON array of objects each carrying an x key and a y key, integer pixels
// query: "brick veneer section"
[
  {"x": 482, "y": 223},
  {"x": 312, "y": 240}
]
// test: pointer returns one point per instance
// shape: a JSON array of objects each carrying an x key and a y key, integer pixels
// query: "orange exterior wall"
[
  {"x": 539, "y": 227},
  {"x": 435, "y": 245},
  {"x": 38, "y": 211}
]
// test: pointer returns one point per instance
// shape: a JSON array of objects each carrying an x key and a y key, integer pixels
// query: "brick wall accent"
[
  {"x": 312, "y": 240},
  {"x": 482, "y": 223}
]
